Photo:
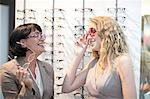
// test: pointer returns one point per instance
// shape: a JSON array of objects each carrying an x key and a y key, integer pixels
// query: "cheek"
[
  {"x": 98, "y": 40},
  {"x": 98, "y": 43},
  {"x": 32, "y": 44},
  {"x": 96, "y": 46}
]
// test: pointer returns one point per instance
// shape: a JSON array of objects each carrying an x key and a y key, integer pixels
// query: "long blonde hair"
[{"x": 113, "y": 43}]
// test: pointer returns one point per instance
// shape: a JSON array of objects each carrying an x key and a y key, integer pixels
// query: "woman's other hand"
[
  {"x": 145, "y": 87},
  {"x": 82, "y": 44},
  {"x": 23, "y": 77}
]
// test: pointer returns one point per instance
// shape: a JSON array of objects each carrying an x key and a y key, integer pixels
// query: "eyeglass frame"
[{"x": 37, "y": 35}]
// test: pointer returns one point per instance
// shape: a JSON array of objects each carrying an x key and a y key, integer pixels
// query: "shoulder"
[
  {"x": 124, "y": 61},
  {"x": 8, "y": 72},
  {"x": 10, "y": 66},
  {"x": 124, "y": 66},
  {"x": 125, "y": 58},
  {"x": 47, "y": 66}
]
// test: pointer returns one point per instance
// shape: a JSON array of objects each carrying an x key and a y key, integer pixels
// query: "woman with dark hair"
[
  {"x": 109, "y": 73},
  {"x": 26, "y": 77}
]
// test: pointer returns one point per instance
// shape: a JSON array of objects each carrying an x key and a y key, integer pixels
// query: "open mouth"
[{"x": 41, "y": 44}]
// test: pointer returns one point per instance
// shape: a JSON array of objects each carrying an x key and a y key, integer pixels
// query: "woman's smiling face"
[
  {"x": 96, "y": 40},
  {"x": 35, "y": 42}
]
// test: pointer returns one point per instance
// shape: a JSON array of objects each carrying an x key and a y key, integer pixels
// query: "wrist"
[{"x": 29, "y": 84}]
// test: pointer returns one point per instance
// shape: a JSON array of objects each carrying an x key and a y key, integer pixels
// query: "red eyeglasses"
[{"x": 91, "y": 32}]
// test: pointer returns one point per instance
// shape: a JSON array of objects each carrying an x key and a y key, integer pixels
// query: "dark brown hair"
[{"x": 21, "y": 32}]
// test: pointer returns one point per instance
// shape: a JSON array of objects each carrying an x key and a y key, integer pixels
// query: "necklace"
[{"x": 100, "y": 70}]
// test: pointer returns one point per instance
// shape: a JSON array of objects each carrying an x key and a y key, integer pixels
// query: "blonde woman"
[{"x": 109, "y": 73}]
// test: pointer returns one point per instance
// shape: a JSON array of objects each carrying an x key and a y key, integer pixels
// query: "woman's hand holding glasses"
[
  {"x": 84, "y": 41},
  {"x": 23, "y": 75}
]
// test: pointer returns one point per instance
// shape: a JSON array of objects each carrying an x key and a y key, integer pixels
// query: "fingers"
[
  {"x": 23, "y": 76},
  {"x": 88, "y": 37},
  {"x": 83, "y": 40},
  {"x": 22, "y": 73},
  {"x": 78, "y": 44}
]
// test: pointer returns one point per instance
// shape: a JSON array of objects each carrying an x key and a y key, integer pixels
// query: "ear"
[{"x": 22, "y": 43}]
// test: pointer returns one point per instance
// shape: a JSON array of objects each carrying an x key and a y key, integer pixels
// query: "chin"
[
  {"x": 43, "y": 50},
  {"x": 95, "y": 49},
  {"x": 40, "y": 51}
]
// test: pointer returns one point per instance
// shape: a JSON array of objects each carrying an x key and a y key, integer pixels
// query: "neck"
[
  {"x": 32, "y": 66},
  {"x": 101, "y": 66},
  {"x": 31, "y": 58}
]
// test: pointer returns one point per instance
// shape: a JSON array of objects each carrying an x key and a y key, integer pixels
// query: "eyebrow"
[{"x": 36, "y": 33}]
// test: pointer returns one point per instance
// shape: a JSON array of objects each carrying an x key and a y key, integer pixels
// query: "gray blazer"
[{"x": 11, "y": 86}]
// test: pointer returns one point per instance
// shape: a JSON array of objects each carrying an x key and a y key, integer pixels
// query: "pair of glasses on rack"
[
  {"x": 58, "y": 77},
  {"x": 57, "y": 52},
  {"x": 56, "y": 27},
  {"x": 57, "y": 19},
  {"x": 58, "y": 88},
  {"x": 121, "y": 16},
  {"x": 49, "y": 44},
  {"x": 26, "y": 10},
  {"x": 120, "y": 19},
  {"x": 118, "y": 10},
  {"x": 29, "y": 13},
  {"x": 81, "y": 28},
  {"x": 85, "y": 9},
  {"x": 55, "y": 9},
  {"x": 48, "y": 35},
  {"x": 26, "y": 19},
  {"x": 56, "y": 61},
  {"x": 60, "y": 68},
  {"x": 85, "y": 28},
  {"x": 23, "y": 18}
]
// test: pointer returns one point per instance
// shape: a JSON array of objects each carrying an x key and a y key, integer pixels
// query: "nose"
[
  {"x": 92, "y": 40},
  {"x": 43, "y": 37}
]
